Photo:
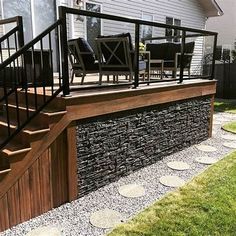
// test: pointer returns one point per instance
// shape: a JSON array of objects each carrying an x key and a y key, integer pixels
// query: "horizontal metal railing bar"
[
  {"x": 74, "y": 11},
  {"x": 29, "y": 45},
  {"x": 8, "y": 34},
  {"x": 9, "y": 20},
  {"x": 174, "y": 37}
]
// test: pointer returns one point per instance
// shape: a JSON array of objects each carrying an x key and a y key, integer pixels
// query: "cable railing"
[
  {"x": 28, "y": 83},
  {"x": 187, "y": 37}
]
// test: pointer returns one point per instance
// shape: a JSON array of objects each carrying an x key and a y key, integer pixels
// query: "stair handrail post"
[
  {"x": 64, "y": 52},
  {"x": 21, "y": 40}
]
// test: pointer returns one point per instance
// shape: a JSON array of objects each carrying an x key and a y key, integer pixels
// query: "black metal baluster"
[
  {"x": 34, "y": 79},
  {"x": 42, "y": 70},
  {"x": 51, "y": 60},
  {"x": 181, "y": 75},
  {"x": 1, "y": 56},
  {"x": 136, "y": 66},
  {"x": 25, "y": 83},
  {"x": 59, "y": 56},
  {"x": 16, "y": 95},
  {"x": 6, "y": 102}
]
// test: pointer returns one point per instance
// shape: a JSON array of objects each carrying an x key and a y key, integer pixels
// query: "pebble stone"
[
  {"x": 206, "y": 148},
  {"x": 172, "y": 181},
  {"x": 230, "y": 145},
  {"x": 106, "y": 218},
  {"x": 178, "y": 165},
  {"x": 216, "y": 122},
  {"x": 229, "y": 137},
  {"x": 132, "y": 190},
  {"x": 206, "y": 160},
  {"x": 45, "y": 231}
]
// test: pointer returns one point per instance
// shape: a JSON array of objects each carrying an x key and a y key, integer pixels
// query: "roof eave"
[{"x": 212, "y": 8}]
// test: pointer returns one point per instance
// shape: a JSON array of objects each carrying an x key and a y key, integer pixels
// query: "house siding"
[{"x": 190, "y": 12}]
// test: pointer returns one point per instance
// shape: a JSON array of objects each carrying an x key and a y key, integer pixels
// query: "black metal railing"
[
  {"x": 27, "y": 78},
  {"x": 27, "y": 81},
  {"x": 184, "y": 34},
  {"x": 13, "y": 39}
]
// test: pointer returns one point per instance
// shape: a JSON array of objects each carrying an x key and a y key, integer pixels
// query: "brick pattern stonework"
[{"x": 113, "y": 146}]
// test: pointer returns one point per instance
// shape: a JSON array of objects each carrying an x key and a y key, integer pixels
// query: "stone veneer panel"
[{"x": 115, "y": 145}]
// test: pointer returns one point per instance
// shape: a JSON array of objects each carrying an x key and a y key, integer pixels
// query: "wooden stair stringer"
[{"x": 37, "y": 149}]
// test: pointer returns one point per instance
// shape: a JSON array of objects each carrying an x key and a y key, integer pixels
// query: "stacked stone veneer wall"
[{"x": 114, "y": 145}]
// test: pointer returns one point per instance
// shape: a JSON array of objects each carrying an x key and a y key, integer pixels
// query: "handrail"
[
  {"x": 74, "y": 11},
  {"x": 14, "y": 36},
  {"x": 16, "y": 19},
  {"x": 11, "y": 32},
  {"x": 20, "y": 69},
  {"x": 29, "y": 45}
]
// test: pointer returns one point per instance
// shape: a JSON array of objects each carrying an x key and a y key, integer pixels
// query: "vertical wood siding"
[{"x": 42, "y": 187}]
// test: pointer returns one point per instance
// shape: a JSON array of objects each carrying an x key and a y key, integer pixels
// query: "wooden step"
[
  {"x": 4, "y": 165},
  {"x": 14, "y": 148},
  {"x": 42, "y": 120},
  {"x": 27, "y": 135},
  {"x": 57, "y": 103}
]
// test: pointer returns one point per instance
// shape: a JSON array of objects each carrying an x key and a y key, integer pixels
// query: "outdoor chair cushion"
[
  {"x": 88, "y": 67},
  {"x": 167, "y": 52},
  {"x": 84, "y": 47}
]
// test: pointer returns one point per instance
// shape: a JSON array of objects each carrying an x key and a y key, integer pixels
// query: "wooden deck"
[{"x": 34, "y": 185}]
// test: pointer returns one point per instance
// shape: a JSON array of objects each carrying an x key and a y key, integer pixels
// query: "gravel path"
[{"x": 73, "y": 218}]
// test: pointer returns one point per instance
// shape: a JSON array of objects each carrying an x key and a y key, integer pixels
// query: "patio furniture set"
[{"x": 115, "y": 56}]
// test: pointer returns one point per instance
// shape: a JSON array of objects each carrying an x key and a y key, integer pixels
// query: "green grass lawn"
[
  {"x": 205, "y": 206},
  {"x": 225, "y": 106},
  {"x": 231, "y": 127}
]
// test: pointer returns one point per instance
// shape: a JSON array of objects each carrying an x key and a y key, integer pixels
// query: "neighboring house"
[{"x": 225, "y": 25}]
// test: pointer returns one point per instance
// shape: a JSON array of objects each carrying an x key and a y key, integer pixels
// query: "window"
[
  {"x": 146, "y": 29},
  {"x": 171, "y": 32},
  {"x": 93, "y": 24}
]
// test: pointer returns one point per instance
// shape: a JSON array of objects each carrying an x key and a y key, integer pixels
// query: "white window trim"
[{"x": 85, "y": 22}]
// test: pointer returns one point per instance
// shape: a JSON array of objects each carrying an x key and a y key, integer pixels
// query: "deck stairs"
[{"x": 30, "y": 136}]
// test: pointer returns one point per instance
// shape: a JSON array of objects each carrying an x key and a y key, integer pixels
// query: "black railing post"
[
  {"x": 64, "y": 52},
  {"x": 214, "y": 57},
  {"x": 136, "y": 61},
  {"x": 20, "y": 31},
  {"x": 181, "y": 75}
]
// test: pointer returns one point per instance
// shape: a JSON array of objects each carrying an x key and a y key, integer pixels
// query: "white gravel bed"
[{"x": 73, "y": 218}]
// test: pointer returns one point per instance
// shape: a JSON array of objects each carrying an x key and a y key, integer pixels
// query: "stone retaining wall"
[{"x": 115, "y": 145}]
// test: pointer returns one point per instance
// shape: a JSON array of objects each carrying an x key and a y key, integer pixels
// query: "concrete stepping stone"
[
  {"x": 205, "y": 160},
  {"x": 132, "y": 190},
  {"x": 45, "y": 231},
  {"x": 172, "y": 181},
  {"x": 178, "y": 165},
  {"x": 230, "y": 137},
  {"x": 206, "y": 148},
  {"x": 106, "y": 218},
  {"x": 230, "y": 145}
]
